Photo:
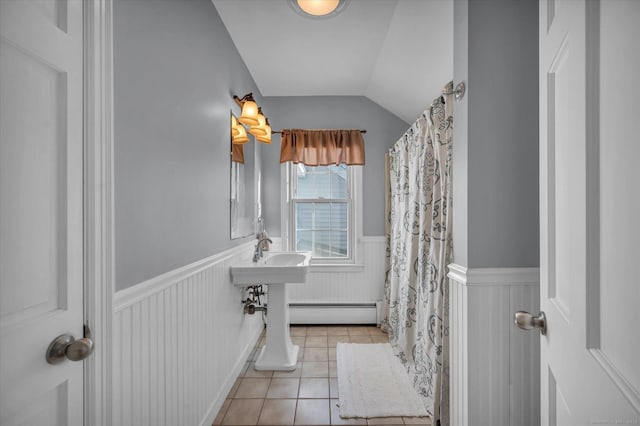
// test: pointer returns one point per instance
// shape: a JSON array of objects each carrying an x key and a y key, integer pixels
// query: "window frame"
[{"x": 287, "y": 209}]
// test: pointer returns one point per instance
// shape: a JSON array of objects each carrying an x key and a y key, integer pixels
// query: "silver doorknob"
[
  {"x": 526, "y": 321},
  {"x": 66, "y": 346}
]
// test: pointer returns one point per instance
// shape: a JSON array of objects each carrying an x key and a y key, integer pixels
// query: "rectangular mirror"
[{"x": 243, "y": 187}]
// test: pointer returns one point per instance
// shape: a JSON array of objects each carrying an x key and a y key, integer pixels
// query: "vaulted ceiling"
[{"x": 398, "y": 53}]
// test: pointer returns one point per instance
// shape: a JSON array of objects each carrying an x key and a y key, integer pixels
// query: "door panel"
[
  {"x": 590, "y": 203},
  {"x": 55, "y": 12},
  {"x": 39, "y": 140},
  {"x": 41, "y": 257},
  {"x": 46, "y": 409},
  {"x": 561, "y": 150}
]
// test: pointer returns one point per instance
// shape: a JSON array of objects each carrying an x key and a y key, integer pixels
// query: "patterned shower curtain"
[{"x": 415, "y": 307}]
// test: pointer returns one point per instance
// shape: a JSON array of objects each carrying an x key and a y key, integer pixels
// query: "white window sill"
[{"x": 336, "y": 267}]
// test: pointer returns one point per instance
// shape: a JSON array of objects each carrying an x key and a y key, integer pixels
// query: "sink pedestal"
[
  {"x": 278, "y": 353},
  {"x": 276, "y": 270}
]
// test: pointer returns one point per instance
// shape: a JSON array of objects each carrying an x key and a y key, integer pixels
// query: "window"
[
  {"x": 321, "y": 206},
  {"x": 322, "y": 212}
]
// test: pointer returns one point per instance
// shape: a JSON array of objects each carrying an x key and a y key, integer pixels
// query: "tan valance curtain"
[
  {"x": 322, "y": 147},
  {"x": 237, "y": 153}
]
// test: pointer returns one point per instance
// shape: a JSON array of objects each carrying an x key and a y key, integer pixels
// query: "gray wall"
[
  {"x": 496, "y": 134},
  {"x": 176, "y": 70},
  {"x": 332, "y": 112}
]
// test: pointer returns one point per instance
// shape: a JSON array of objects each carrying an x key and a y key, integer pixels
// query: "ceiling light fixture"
[{"x": 318, "y": 8}]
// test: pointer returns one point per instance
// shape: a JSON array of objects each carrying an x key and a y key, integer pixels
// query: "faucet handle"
[{"x": 257, "y": 253}]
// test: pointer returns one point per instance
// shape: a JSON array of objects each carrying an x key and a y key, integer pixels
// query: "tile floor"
[{"x": 306, "y": 396}]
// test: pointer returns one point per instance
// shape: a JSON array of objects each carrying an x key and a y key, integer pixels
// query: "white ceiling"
[{"x": 398, "y": 53}]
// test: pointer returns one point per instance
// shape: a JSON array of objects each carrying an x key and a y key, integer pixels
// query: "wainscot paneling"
[
  {"x": 180, "y": 341},
  {"x": 495, "y": 377},
  {"x": 363, "y": 284},
  {"x": 333, "y": 296}
]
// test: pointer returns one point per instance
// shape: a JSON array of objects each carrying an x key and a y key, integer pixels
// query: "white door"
[
  {"x": 590, "y": 211},
  {"x": 41, "y": 257}
]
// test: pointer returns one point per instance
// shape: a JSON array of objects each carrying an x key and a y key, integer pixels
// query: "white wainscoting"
[
  {"x": 180, "y": 341},
  {"x": 342, "y": 297},
  {"x": 495, "y": 367}
]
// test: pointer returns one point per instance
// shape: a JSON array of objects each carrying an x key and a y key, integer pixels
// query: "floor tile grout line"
[
  {"x": 328, "y": 378},
  {"x": 261, "y": 408}
]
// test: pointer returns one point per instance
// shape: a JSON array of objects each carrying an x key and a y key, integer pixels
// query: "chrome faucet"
[{"x": 257, "y": 254}]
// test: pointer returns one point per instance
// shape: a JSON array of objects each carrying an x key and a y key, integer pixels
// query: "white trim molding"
[
  {"x": 494, "y": 366},
  {"x": 493, "y": 276},
  {"x": 134, "y": 294},
  {"x": 98, "y": 206}
]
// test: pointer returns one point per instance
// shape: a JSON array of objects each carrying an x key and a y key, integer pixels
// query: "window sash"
[
  {"x": 288, "y": 203},
  {"x": 315, "y": 231},
  {"x": 317, "y": 175},
  {"x": 294, "y": 230}
]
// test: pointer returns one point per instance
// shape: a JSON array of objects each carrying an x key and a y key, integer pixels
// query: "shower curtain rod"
[
  {"x": 280, "y": 131},
  {"x": 458, "y": 91}
]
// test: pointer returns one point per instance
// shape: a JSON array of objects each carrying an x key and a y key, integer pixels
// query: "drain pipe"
[
  {"x": 252, "y": 309},
  {"x": 250, "y": 304}
]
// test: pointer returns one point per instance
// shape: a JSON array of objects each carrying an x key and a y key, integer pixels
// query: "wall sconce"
[{"x": 252, "y": 117}]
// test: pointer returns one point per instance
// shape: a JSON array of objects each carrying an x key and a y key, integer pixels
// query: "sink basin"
[
  {"x": 285, "y": 259},
  {"x": 273, "y": 268}
]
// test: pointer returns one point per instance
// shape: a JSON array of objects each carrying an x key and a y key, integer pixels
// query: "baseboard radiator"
[
  {"x": 342, "y": 297},
  {"x": 334, "y": 313}
]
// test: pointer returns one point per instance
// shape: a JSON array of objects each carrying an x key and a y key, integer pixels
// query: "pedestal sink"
[{"x": 276, "y": 270}]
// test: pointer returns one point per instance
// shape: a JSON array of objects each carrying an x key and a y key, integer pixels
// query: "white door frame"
[{"x": 98, "y": 208}]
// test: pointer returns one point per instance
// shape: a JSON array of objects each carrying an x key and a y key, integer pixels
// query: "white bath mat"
[{"x": 373, "y": 383}]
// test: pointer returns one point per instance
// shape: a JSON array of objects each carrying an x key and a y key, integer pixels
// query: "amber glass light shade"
[
  {"x": 234, "y": 126},
  {"x": 259, "y": 130},
  {"x": 249, "y": 114},
  {"x": 241, "y": 137},
  {"x": 266, "y": 138}
]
